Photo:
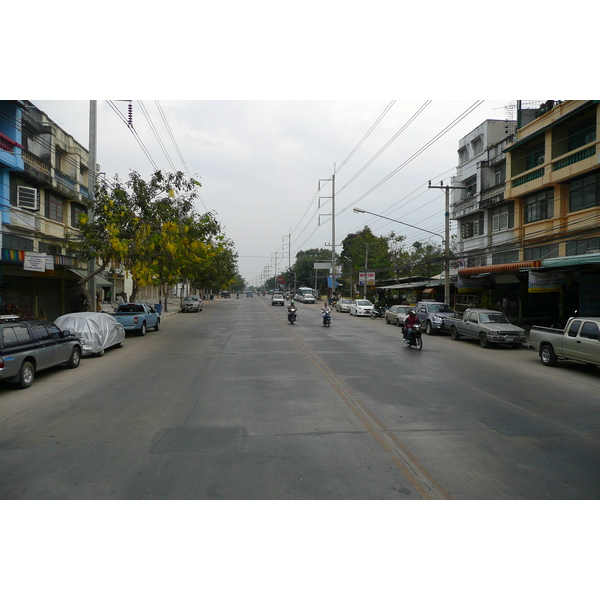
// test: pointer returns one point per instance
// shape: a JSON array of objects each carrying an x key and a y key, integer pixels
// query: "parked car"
[
  {"x": 361, "y": 308},
  {"x": 191, "y": 303},
  {"x": 579, "y": 340},
  {"x": 27, "y": 347},
  {"x": 277, "y": 299},
  {"x": 432, "y": 315},
  {"x": 137, "y": 317},
  {"x": 396, "y": 314},
  {"x": 343, "y": 305},
  {"x": 96, "y": 331},
  {"x": 487, "y": 326}
]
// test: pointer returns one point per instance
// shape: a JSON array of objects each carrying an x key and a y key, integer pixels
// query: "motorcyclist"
[
  {"x": 291, "y": 306},
  {"x": 325, "y": 310},
  {"x": 409, "y": 325}
]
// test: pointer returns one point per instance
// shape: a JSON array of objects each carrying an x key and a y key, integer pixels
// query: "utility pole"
[
  {"x": 332, "y": 179},
  {"x": 447, "y": 189},
  {"x": 92, "y": 189}
]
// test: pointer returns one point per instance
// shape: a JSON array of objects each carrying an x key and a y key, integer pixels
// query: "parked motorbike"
[
  {"x": 416, "y": 339},
  {"x": 377, "y": 313},
  {"x": 326, "y": 318},
  {"x": 292, "y": 316}
]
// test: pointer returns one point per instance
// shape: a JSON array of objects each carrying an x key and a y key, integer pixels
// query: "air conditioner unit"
[{"x": 28, "y": 198}]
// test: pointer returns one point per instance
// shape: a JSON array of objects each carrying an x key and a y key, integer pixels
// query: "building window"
[
  {"x": 477, "y": 146},
  {"x": 584, "y": 192},
  {"x": 76, "y": 210},
  {"x": 534, "y": 157},
  {"x": 539, "y": 206},
  {"x": 473, "y": 228},
  {"x": 578, "y": 247},
  {"x": 54, "y": 207},
  {"x": 49, "y": 248},
  {"x": 500, "y": 175},
  {"x": 541, "y": 252},
  {"x": 471, "y": 185},
  {"x": 581, "y": 134},
  {"x": 463, "y": 155},
  {"x": 503, "y": 218},
  {"x": 501, "y": 258},
  {"x": 14, "y": 242}
]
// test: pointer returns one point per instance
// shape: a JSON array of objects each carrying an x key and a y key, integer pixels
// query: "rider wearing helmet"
[{"x": 409, "y": 324}]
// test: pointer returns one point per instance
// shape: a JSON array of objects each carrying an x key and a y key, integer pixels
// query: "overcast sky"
[
  {"x": 250, "y": 126},
  {"x": 260, "y": 162}
]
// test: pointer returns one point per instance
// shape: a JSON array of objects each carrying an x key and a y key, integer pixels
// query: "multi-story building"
[
  {"x": 42, "y": 196},
  {"x": 478, "y": 201},
  {"x": 552, "y": 215}
]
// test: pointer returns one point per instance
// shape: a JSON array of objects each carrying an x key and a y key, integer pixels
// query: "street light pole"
[{"x": 444, "y": 241}]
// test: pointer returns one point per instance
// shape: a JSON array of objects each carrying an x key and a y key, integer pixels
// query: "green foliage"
[{"x": 151, "y": 229}]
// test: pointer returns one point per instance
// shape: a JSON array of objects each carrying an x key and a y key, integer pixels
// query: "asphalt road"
[{"x": 235, "y": 403}]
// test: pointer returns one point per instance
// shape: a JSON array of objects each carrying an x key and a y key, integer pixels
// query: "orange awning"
[
  {"x": 505, "y": 268},
  {"x": 428, "y": 291}
]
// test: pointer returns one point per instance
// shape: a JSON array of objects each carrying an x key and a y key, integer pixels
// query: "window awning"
[
  {"x": 502, "y": 268},
  {"x": 99, "y": 280},
  {"x": 429, "y": 291}
]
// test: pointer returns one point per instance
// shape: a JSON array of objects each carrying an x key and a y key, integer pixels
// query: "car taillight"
[
  {"x": 135, "y": 320},
  {"x": 1, "y": 363}
]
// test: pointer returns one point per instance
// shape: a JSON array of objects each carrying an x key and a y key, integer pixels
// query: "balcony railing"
[
  {"x": 62, "y": 178},
  {"x": 36, "y": 163},
  {"x": 7, "y": 144},
  {"x": 573, "y": 158},
  {"x": 529, "y": 177}
]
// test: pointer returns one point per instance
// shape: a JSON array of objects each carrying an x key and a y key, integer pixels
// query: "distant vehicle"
[
  {"x": 361, "y": 308},
  {"x": 396, "y": 314},
  {"x": 580, "y": 341},
  {"x": 225, "y": 294},
  {"x": 432, "y": 315},
  {"x": 137, "y": 317},
  {"x": 308, "y": 295},
  {"x": 343, "y": 305},
  {"x": 27, "y": 347},
  {"x": 249, "y": 294},
  {"x": 277, "y": 299},
  {"x": 97, "y": 331},
  {"x": 487, "y": 326},
  {"x": 191, "y": 303}
]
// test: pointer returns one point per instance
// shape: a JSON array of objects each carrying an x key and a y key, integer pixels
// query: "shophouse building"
[
  {"x": 45, "y": 183},
  {"x": 552, "y": 214}
]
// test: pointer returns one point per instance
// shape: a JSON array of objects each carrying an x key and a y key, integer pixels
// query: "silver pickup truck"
[
  {"x": 579, "y": 340},
  {"x": 487, "y": 326}
]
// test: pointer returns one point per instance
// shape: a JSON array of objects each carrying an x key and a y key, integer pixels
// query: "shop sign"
[
  {"x": 545, "y": 282},
  {"x": 35, "y": 261}
]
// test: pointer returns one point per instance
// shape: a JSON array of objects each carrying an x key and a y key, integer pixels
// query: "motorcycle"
[
  {"x": 416, "y": 339},
  {"x": 326, "y": 318},
  {"x": 292, "y": 316},
  {"x": 378, "y": 312}
]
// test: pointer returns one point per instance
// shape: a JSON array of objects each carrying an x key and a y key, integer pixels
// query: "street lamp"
[{"x": 444, "y": 241}]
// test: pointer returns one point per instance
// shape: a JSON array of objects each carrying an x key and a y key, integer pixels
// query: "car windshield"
[
  {"x": 363, "y": 303},
  {"x": 345, "y": 301},
  {"x": 402, "y": 309},
  {"x": 190, "y": 298},
  {"x": 493, "y": 318},
  {"x": 439, "y": 308}
]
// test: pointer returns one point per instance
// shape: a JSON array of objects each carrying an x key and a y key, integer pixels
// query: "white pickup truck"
[
  {"x": 579, "y": 340},
  {"x": 487, "y": 326}
]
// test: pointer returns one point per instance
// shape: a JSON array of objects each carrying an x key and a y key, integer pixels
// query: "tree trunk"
[{"x": 91, "y": 303}]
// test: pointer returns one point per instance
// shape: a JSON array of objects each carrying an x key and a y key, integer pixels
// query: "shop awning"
[
  {"x": 571, "y": 261},
  {"x": 100, "y": 281},
  {"x": 502, "y": 268},
  {"x": 429, "y": 291}
]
